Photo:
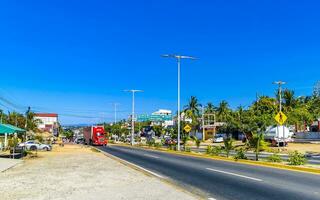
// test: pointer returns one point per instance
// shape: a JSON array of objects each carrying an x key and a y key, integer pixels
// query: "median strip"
[{"x": 233, "y": 174}]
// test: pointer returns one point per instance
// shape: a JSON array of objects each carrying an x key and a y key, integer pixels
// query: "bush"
[
  {"x": 214, "y": 150},
  {"x": 228, "y": 145},
  {"x": 39, "y": 138},
  {"x": 157, "y": 145},
  {"x": 187, "y": 149},
  {"x": 274, "y": 158},
  {"x": 197, "y": 141},
  {"x": 240, "y": 154},
  {"x": 296, "y": 158},
  {"x": 209, "y": 149},
  {"x": 151, "y": 142}
]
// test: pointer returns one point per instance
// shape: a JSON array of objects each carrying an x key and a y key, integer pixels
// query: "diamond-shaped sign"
[
  {"x": 281, "y": 118},
  {"x": 187, "y": 128}
]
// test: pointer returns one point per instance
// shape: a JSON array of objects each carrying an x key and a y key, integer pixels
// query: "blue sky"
[{"x": 77, "y": 57}]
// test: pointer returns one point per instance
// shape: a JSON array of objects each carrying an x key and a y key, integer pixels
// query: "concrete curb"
[{"x": 247, "y": 162}]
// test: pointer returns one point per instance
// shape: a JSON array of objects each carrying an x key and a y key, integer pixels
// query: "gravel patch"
[{"x": 75, "y": 172}]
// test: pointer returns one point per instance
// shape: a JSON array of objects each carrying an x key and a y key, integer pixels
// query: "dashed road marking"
[
  {"x": 151, "y": 156},
  {"x": 233, "y": 174}
]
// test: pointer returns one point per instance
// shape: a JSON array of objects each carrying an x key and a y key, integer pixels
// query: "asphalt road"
[{"x": 220, "y": 179}]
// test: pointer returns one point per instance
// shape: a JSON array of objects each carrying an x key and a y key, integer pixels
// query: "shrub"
[
  {"x": 214, "y": 150},
  {"x": 151, "y": 142},
  {"x": 39, "y": 138},
  {"x": 197, "y": 141},
  {"x": 240, "y": 154},
  {"x": 187, "y": 149},
  {"x": 209, "y": 149},
  {"x": 274, "y": 158},
  {"x": 228, "y": 145},
  {"x": 157, "y": 145},
  {"x": 296, "y": 158}
]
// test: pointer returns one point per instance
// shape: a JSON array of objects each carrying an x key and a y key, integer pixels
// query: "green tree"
[{"x": 223, "y": 111}]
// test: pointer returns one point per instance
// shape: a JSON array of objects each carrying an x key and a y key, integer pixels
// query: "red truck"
[{"x": 95, "y": 135}]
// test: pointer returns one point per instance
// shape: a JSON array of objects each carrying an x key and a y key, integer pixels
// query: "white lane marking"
[
  {"x": 151, "y": 156},
  {"x": 211, "y": 198},
  {"x": 233, "y": 174},
  {"x": 137, "y": 166}
]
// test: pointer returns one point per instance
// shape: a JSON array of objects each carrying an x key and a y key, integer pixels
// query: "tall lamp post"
[
  {"x": 280, "y": 83},
  {"x": 178, "y": 58},
  {"x": 132, "y": 117}
]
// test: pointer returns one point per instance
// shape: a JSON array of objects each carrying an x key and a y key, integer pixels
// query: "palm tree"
[
  {"x": 223, "y": 111},
  {"x": 210, "y": 108},
  {"x": 193, "y": 106},
  {"x": 289, "y": 100}
]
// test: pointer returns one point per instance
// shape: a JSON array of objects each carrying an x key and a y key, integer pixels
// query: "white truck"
[{"x": 278, "y": 135}]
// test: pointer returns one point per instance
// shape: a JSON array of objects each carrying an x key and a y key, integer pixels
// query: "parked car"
[
  {"x": 170, "y": 141},
  {"x": 79, "y": 141},
  {"x": 218, "y": 139},
  {"x": 33, "y": 145}
]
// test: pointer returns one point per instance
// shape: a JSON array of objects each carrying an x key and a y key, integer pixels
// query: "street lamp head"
[
  {"x": 279, "y": 82},
  {"x": 133, "y": 90},
  {"x": 178, "y": 56}
]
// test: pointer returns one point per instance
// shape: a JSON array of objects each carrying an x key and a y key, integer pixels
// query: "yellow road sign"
[
  {"x": 187, "y": 128},
  {"x": 281, "y": 118}
]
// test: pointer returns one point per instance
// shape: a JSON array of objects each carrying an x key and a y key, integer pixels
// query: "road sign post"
[
  {"x": 187, "y": 128},
  {"x": 281, "y": 118}
]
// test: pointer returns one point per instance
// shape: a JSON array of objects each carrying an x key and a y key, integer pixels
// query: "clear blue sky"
[{"x": 76, "y": 57}]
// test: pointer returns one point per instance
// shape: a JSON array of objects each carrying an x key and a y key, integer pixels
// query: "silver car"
[{"x": 33, "y": 145}]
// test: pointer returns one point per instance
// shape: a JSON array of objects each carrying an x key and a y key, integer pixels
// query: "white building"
[
  {"x": 167, "y": 114},
  {"x": 48, "y": 122}
]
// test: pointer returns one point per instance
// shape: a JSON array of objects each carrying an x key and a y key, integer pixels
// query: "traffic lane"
[
  {"x": 222, "y": 182},
  {"x": 266, "y": 173}
]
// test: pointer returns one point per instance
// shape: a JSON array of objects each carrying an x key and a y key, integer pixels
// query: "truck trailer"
[{"x": 95, "y": 135}]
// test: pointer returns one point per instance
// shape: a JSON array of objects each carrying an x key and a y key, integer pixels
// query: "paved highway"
[{"x": 221, "y": 180}]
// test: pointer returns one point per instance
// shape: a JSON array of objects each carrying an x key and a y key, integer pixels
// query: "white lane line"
[
  {"x": 211, "y": 198},
  {"x": 151, "y": 156},
  {"x": 233, "y": 174}
]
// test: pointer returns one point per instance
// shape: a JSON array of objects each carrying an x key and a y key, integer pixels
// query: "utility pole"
[
  {"x": 178, "y": 58},
  {"x": 1, "y": 116},
  {"x": 132, "y": 115},
  {"x": 26, "y": 125},
  {"x": 280, "y": 83},
  {"x": 203, "y": 129}
]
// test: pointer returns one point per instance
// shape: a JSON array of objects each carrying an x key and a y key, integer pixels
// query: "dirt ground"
[
  {"x": 76, "y": 172},
  {"x": 304, "y": 147}
]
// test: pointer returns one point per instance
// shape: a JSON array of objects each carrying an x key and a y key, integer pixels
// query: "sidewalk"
[
  {"x": 7, "y": 163},
  {"x": 74, "y": 172}
]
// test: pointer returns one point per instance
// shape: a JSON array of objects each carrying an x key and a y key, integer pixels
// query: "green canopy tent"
[{"x": 7, "y": 129}]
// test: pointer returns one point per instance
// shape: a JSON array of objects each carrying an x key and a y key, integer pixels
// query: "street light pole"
[
  {"x": 178, "y": 58},
  {"x": 280, "y": 83},
  {"x": 132, "y": 117}
]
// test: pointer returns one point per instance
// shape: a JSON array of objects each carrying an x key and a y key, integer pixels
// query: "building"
[
  {"x": 162, "y": 117},
  {"x": 48, "y": 122}
]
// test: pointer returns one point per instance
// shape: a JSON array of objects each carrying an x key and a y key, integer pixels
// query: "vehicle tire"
[
  {"x": 45, "y": 148},
  {"x": 33, "y": 148}
]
